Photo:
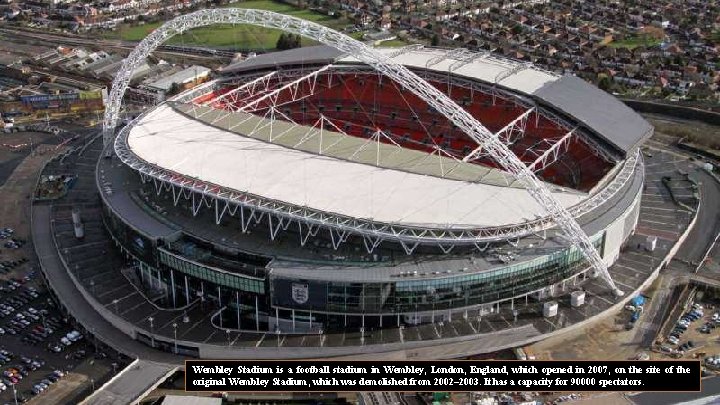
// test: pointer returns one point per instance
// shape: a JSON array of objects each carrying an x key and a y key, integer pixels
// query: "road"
[{"x": 708, "y": 222}]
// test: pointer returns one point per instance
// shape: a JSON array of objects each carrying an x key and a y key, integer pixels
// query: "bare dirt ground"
[
  {"x": 611, "y": 398},
  {"x": 668, "y": 130},
  {"x": 604, "y": 340},
  {"x": 60, "y": 391}
]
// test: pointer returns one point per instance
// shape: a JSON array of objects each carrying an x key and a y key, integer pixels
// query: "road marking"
[
  {"x": 471, "y": 327},
  {"x": 259, "y": 342},
  {"x": 642, "y": 264},
  {"x": 488, "y": 324},
  {"x": 674, "y": 225},
  {"x": 210, "y": 336},
  {"x": 599, "y": 296},
  {"x": 658, "y": 209},
  {"x": 662, "y": 216}
]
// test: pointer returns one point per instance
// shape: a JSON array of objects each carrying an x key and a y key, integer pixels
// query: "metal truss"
[
  {"x": 466, "y": 58},
  {"x": 472, "y": 85},
  {"x": 515, "y": 69},
  {"x": 505, "y": 134},
  {"x": 250, "y": 87},
  {"x": 399, "y": 73},
  {"x": 293, "y": 87},
  {"x": 405, "y": 49},
  {"x": 451, "y": 54},
  {"x": 552, "y": 153}
]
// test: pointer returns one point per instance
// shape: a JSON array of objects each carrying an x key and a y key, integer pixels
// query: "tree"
[
  {"x": 282, "y": 42},
  {"x": 174, "y": 89},
  {"x": 605, "y": 83},
  {"x": 288, "y": 41}
]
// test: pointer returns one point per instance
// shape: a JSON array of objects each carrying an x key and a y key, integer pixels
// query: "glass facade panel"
[
  {"x": 433, "y": 293},
  {"x": 215, "y": 276}
]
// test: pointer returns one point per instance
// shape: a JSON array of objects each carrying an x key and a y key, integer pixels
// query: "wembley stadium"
[{"x": 303, "y": 191}]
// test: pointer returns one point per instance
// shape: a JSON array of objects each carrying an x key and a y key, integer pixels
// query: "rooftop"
[
  {"x": 183, "y": 76},
  {"x": 174, "y": 141}
]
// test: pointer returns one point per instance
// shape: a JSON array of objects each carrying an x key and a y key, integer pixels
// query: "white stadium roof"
[
  {"x": 172, "y": 140},
  {"x": 512, "y": 75}
]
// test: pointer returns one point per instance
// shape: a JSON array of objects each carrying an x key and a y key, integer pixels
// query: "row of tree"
[{"x": 288, "y": 41}]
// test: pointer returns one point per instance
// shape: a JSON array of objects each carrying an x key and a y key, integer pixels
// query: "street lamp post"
[
  {"x": 174, "y": 325},
  {"x": 202, "y": 299},
  {"x": 227, "y": 332},
  {"x": 115, "y": 302},
  {"x": 94, "y": 334},
  {"x": 152, "y": 331}
]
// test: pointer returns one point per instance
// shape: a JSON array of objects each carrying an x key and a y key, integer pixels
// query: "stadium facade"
[{"x": 303, "y": 191}]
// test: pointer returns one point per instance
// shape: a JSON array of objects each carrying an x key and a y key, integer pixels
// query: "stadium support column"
[
  {"x": 257, "y": 315},
  {"x": 277, "y": 319},
  {"x": 220, "y": 306},
  {"x": 172, "y": 285},
  {"x": 237, "y": 301},
  {"x": 187, "y": 292}
]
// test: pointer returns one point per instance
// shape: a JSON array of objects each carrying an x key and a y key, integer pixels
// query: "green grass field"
[
  {"x": 393, "y": 43},
  {"x": 239, "y": 36},
  {"x": 634, "y": 42}
]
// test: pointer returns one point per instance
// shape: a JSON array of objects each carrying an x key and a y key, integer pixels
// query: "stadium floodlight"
[{"x": 494, "y": 147}]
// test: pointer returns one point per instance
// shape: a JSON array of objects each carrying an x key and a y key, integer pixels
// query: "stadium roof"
[
  {"x": 598, "y": 110},
  {"x": 342, "y": 146},
  {"x": 602, "y": 113},
  {"x": 172, "y": 140},
  {"x": 309, "y": 55}
]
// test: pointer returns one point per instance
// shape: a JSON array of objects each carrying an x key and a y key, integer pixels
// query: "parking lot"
[
  {"x": 693, "y": 329},
  {"x": 41, "y": 354},
  {"x": 33, "y": 331}
]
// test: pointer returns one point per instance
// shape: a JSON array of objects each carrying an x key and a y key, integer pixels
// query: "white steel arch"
[{"x": 409, "y": 80}]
